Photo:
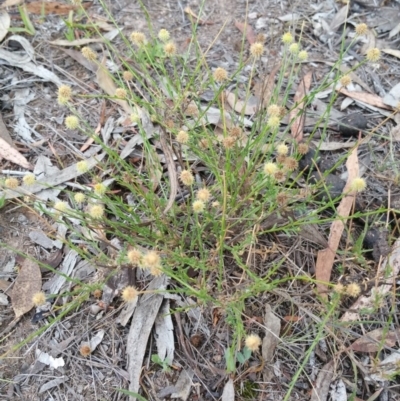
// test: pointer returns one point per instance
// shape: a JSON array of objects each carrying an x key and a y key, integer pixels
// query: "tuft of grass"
[{"x": 205, "y": 181}]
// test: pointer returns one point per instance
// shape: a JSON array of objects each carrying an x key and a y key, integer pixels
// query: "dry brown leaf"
[
  {"x": 10, "y": 3},
  {"x": 189, "y": 11},
  {"x": 264, "y": 89},
  {"x": 370, "y": 42},
  {"x": 375, "y": 340},
  {"x": 90, "y": 140},
  {"x": 333, "y": 145},
  {"x": 270, "y": 341},
  {"x": 173, "y": 177},
  {"x": 141, "y": 325},
  {"x": 354, "y": 77},
  {"x": 297, "y": 115},
  {"x": 245, "y": 28},
  {"x": 392, "y": 52},
  {"x": 322, "y": 385},
  {"x": 369, "y": 98},
  {"x": 107, "y": 84},
  {"x": 12, "y": 154},
  {"x": 395, "y": 133},
  {"x": 78, "y": 56},
  {"x": 4, "y": 132},
  {"x": 228, "y": 393},
  {"x": 77, "y": 42},
  {"x": 4, "y": 24},
  {"x": 326, "y": 256},
  {"x": 247, "y": 107},
  {"x": 28, "y": 283},
  {"x": 52, "y": 7},
  {"x": 340, "y": 18}
]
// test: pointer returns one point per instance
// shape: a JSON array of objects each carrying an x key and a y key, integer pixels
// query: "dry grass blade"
[{"x": 326, "y": 256}]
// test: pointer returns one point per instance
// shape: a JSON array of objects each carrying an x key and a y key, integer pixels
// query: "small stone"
[
  {"x": 352, "y": 124},
  {"x": 377, "y": 240},
  {"x": 308, "y": 161},
  {"x": 333, "y": 183}
]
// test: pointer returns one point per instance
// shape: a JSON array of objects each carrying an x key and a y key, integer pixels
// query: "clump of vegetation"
[{"x": 205, "y": 180}]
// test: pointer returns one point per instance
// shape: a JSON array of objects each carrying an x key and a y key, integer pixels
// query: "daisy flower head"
[
  {"x": 29, "y": 179},
  {"x": 253, "y": 342},
  {"x": 163, "y": 35},
  {"x": 257, "y": 49},
  {"x": 287, "y": 38}
]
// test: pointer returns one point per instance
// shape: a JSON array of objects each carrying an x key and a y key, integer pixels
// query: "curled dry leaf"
[
  {"x": 28, "y": 283},
  {"x": 22, "y": 59}
]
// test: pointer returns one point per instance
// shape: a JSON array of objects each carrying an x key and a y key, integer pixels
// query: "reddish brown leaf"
[
  {"x": 326, "y": 256},
  {"x": 247, "y": 30},
  {"x": 292, "y": 319},
  {"x": 53, "y": 7}
]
